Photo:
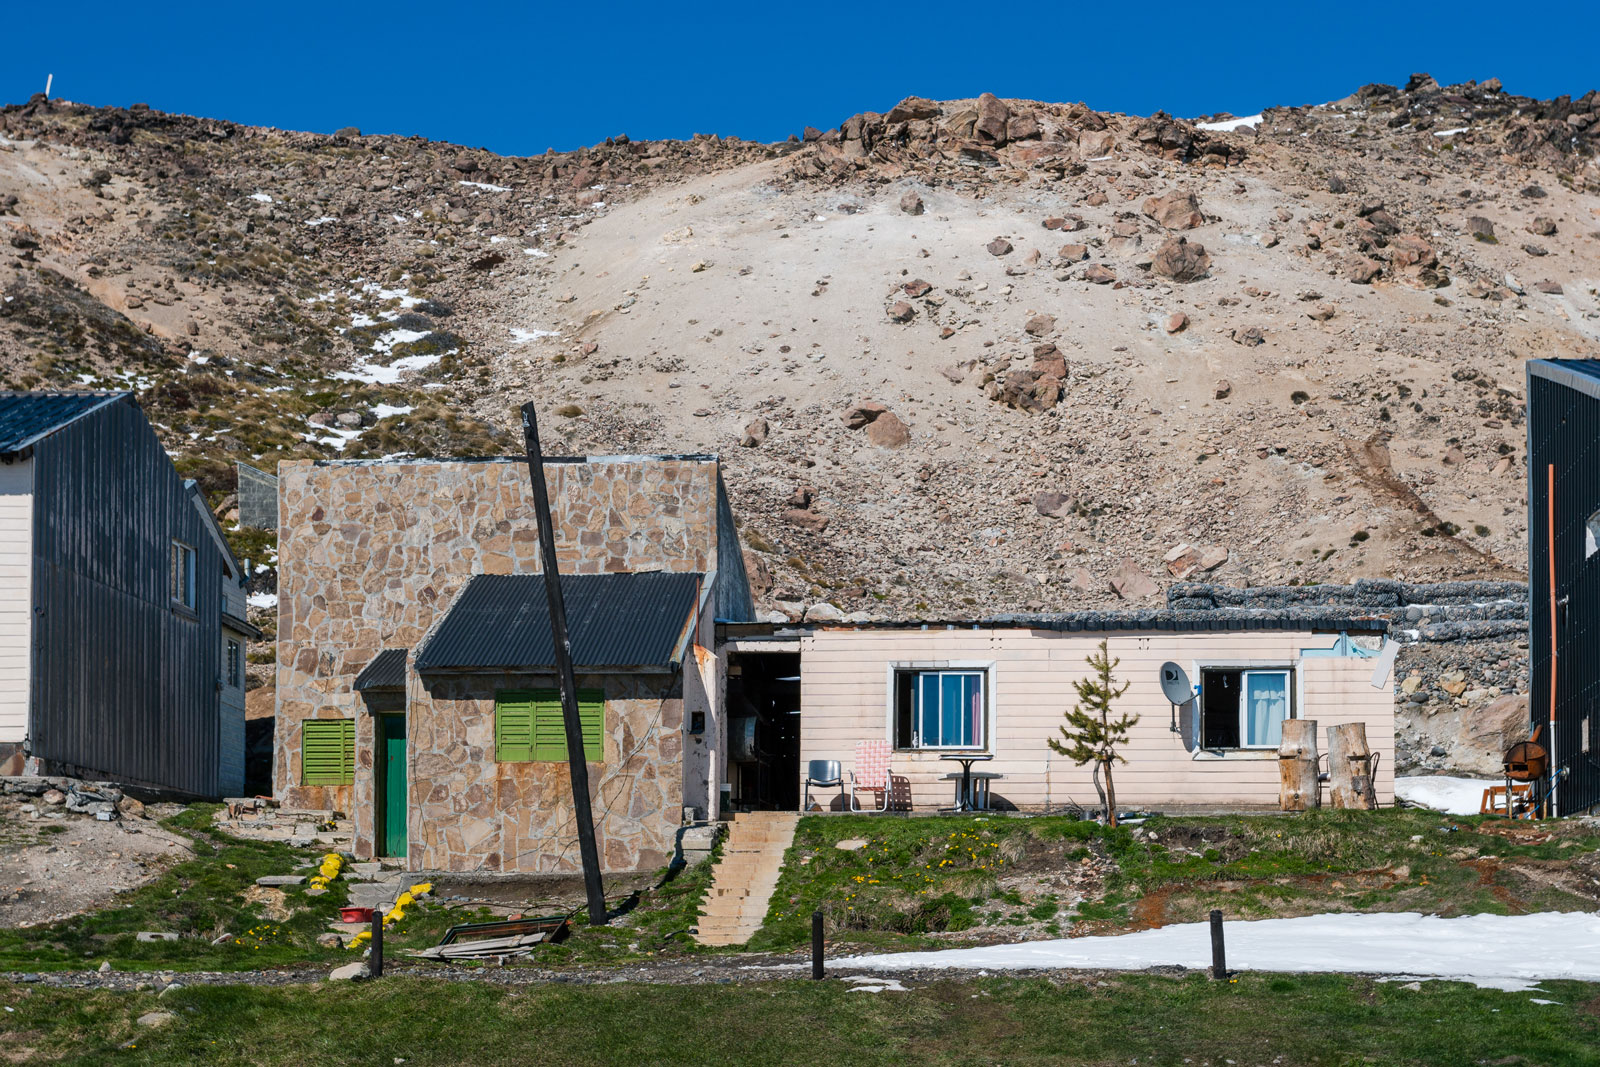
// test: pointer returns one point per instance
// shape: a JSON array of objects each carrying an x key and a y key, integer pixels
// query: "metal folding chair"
[{"x": 825, "y": 774}]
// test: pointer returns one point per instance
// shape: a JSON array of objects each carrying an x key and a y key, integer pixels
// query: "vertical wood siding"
[
  {"x": 16, "y": 599},
  {"x": 844, "y": 699},
  {"x": 123, "y": 685}
]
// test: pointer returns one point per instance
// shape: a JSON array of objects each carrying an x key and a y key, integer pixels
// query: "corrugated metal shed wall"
[
  {"x": 1564, "y": 430},
  {"x": 123, "y": 685}
]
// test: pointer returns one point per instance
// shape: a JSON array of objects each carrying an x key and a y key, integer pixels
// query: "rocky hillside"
[{"x": 960, "y": 356}]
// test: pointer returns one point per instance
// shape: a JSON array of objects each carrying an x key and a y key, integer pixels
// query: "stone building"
[{"x": 415, "y": 688}]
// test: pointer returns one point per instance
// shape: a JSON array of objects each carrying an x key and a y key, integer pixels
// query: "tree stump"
[
  {"x": 1350, "y": 783},
  {"x": 1298, "y": 789}
]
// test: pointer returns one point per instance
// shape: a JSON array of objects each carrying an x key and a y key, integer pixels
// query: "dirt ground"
[{"x": 55, "y": 864}]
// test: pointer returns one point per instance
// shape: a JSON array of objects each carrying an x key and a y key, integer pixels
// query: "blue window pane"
[
  {"x": 949, "y": 709},
  {"x": 928, "y": 709},
  {"x": 1266, "y": 705}
]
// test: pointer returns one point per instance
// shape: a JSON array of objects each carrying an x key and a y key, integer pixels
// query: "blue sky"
[{"x": 518, "y": 78}]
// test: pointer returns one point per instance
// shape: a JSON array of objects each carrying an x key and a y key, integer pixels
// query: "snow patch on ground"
[
  {"x": 1457, "y": 796},
  {"x": 384, "y": 411},
  {"x": 1451, "y": 133},
  {"x": 1486, "y": 950},
  {"x": 486, "y": 187},
  {"x": 373, "y": 374},
  {"x": 321, "y": 220},
  {"x": 262, "y": 600},
  {"x": 541, "y": 253},
  {"x": 261, "y": 197},
  {"x": 1229, "y": 125},
  {"x": 520, "y": 336}
]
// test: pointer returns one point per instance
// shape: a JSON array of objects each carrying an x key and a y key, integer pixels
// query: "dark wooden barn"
[
  {"x": 115, "y": 656},
  {"x": 1564, "y": 572}
]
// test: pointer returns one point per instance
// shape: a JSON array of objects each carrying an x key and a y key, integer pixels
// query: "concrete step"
[{"x": 745, "y": 877}]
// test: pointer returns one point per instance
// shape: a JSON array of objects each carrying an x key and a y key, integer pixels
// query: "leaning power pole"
[{"x": 582, "y": 813}]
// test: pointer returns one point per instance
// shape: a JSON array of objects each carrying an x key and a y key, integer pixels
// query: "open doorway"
[{"x": 764, "y": 731}]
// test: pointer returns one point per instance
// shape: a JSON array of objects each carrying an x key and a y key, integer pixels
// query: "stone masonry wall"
[
  {"x": 372, "y": 553},
  {"x": 483, "y": 815}
]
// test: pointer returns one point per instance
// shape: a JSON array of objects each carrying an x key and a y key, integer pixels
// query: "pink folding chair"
[{"x": 871, "y": 774}]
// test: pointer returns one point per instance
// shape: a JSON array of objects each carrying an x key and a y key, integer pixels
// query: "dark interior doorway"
[
  {"x": 764, "y": 731},
  {"x": 1219, "y": 709}
]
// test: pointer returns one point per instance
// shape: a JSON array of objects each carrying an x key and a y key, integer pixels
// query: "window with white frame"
[
  {"x": 940, "y": 709},
  {"x": 182, "y": 587},
  {"x": 1244, "y": 707}
]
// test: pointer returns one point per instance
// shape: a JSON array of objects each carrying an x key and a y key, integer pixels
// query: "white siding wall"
[
  {"x": 845, "y": 699},
  {"x": 16, "y": 596}
]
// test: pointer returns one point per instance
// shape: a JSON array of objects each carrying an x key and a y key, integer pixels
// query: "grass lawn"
[
  {"x": 917, "y": 881},
  {"x": 1260, "y": 1019}
]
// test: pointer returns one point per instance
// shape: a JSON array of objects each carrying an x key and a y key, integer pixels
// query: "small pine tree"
[{"x": 1090, "y": 733}]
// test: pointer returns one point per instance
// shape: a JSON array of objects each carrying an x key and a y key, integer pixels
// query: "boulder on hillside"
[
  {"x": 1175, "y": 211},
  {"x": 999, "y": 247},
  {"x": 1486, "y": 730},
  {"x": 887, "y": 431},
  {"x": 1543, "y": 225},
  {"x": 1181, "y": 260},
  {"x": 912, "y": 109},
  {"x": 992, "y": 118},
  {"x": 1131, "y": 583},
  {"x": 911, "y": 203},
  {"x": 1054, "y": 505},
  {"x": 862, "y": 412},
  {"x": 1040, "y": 325},
  {"x": 755, "y": 433}
]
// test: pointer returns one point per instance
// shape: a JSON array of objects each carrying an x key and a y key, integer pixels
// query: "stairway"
[{"x": 745, "y": 876}]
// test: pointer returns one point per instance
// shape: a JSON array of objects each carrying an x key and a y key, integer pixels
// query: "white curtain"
[{"x": 1266, "y": 696}]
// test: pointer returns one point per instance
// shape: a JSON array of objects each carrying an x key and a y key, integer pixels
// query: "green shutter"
[
  {"x": 513, "y": 727},
  {"x": 328, "y": 752},
  {"x": 540, "y": 733}
]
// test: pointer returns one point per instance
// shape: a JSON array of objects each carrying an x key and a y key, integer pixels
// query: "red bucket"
[{"x": 355, "y": 915}]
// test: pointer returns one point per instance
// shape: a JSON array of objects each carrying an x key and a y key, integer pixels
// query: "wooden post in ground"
[
  {"x": 1298, "y": 789},
  {"x": 1350, "y": 783}
]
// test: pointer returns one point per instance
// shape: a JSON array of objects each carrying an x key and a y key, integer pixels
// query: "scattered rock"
[
  {"x": 1249, "y": 336},
  {"x": 887, "y": 431},
  {"x": 806, "y": 519},
  {"x": 1362, "y": 270},
  {"x": 1543, "y": 226},
  {"x": 755, "y": 433},
  {"x": 1481, "y": 228},
  {"x": 1099, "y": 274},
  {"x": 901, "y": 312},
  {"x": 999, "y": 247},
  {"x": 1177, "y": 322},
  {"x": 1175, "y": 211},
  {"x": 1181, "y": 260},
  {"x": 1223, "y": 389},
  {"x": 350, "y": 972},
  {"x": 1040, "y": 325},
  {"x": 1054, "y": 505},
  {"x": 1131, "y": 583},
  {"x": 911, "y": 204},
  {"x": 157, "y": 1018}
]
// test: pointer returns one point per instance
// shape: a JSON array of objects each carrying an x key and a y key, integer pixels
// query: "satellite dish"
[{"x": 1175, "y": 683}]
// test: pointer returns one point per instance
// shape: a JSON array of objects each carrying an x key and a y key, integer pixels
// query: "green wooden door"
[{"x": 392, "y": 803}]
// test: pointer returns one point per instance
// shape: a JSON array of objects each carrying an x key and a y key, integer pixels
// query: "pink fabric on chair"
[{"x": 871, "y": 771}]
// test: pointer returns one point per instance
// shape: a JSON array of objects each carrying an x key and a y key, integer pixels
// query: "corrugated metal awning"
[
  {"x": 386, "y": 671},
  {"x": 616, "y": 622}
]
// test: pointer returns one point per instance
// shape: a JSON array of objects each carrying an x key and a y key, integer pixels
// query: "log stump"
[
  {"x": 1350, "y": 779},
  {"x": 1298, "y": 788}
]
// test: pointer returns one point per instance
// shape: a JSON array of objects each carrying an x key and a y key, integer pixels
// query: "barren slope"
[{"x": 1343, "y": 399}]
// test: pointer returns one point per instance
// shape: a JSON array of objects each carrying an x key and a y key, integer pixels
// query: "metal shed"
[{"x": 1564, "y": 572}]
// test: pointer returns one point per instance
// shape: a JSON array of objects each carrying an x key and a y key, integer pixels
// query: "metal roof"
[
  {"x": 1580, "y": 374},
  {"x": 632, "y": 622},
  {"x": 27, "y": 417},
  {"x": 1111, "y": 622},
  {"x": 386, "y": 671}
]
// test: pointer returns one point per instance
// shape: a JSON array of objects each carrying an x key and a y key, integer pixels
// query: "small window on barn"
[
  {"x": 182, "y": 578},
  {"x": 328, "y": 752},
  {"x": 529, "y": 726},
  {"x": 1242, "y": 708},
  {"x": 1591, "y": 535},
  {"x": 941, "y": 709}
]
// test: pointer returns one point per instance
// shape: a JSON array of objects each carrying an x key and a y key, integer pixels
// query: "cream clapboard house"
[{"x": 998, "y": 688}]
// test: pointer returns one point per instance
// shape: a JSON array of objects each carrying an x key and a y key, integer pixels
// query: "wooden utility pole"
[{"x": 582, "y": 814}]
